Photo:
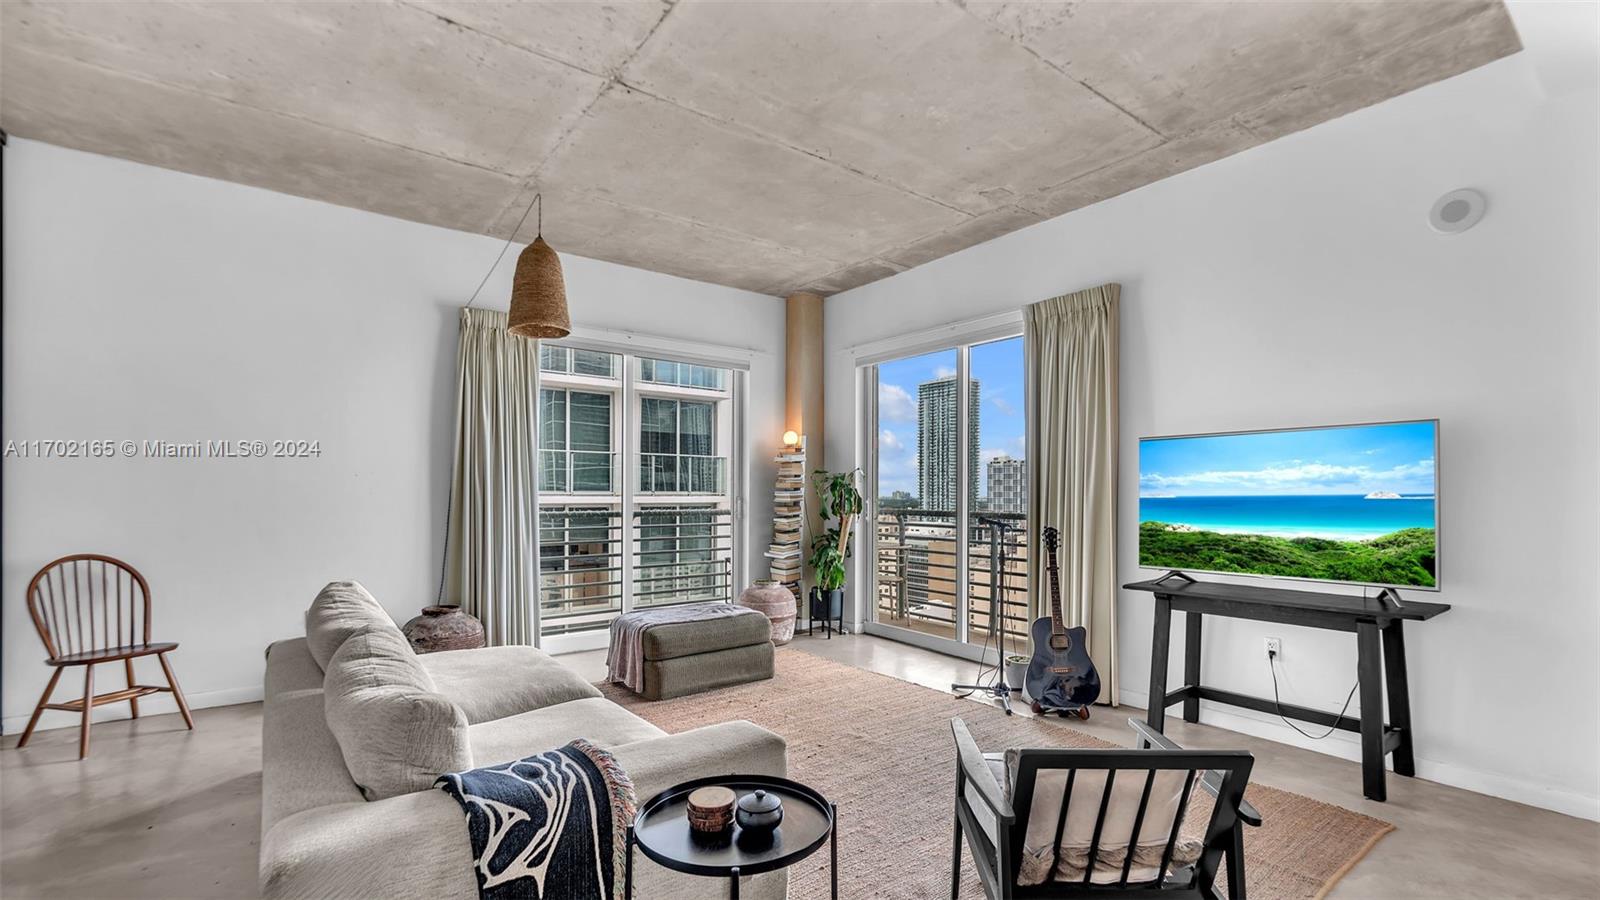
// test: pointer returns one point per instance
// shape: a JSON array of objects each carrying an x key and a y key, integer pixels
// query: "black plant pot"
[{"x": 827, "y": 604}]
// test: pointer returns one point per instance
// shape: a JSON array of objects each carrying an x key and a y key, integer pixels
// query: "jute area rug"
[{"x": 881, "y": 749}]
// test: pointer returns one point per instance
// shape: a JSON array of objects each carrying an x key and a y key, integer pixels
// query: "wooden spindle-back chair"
[
  {"x": 91, "y": 609},
  {"x": 996, "y": 838}
]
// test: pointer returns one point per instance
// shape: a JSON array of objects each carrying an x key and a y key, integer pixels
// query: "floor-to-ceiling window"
[
  {"x": 636, "y": 499},
  {"x": 948, "y": 546}
]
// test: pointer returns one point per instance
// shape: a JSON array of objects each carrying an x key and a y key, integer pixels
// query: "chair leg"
[
  {"x": 177, "y": 692},
  {"x": 37, "y": 710},
  {"x": 132, "y": 701},
  {"x": 1236, "y": 886},
  {"x": 955, "y": 864},
  {"x": 88, "y": 710}
]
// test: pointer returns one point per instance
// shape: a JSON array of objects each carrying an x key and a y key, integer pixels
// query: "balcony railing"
[
  {"x": 577, "y": 472},
  {"x": 665, "y": 473},
  {"x": 580, "y": 569},
  {"x": 915, "y": 573},
  {"x": 681, "y": 554}
]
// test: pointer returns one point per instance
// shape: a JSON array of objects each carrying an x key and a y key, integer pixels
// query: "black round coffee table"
[{"x": 662, "y": 831}]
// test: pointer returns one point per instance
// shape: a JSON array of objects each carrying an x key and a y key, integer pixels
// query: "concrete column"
[{"x": 803, "y": 397}]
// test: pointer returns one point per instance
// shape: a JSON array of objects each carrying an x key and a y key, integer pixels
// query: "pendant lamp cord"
[
  {"x": 450, "y": 492},
  {"x": 538, "y": 199}
]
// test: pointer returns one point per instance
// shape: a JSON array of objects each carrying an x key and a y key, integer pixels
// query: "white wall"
[
  {"x": 145, "y": 304},
  {"x": 1298, "y": 284}
]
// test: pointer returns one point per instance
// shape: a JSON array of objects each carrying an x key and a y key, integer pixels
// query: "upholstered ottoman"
[{"x": 700, "y": 654}]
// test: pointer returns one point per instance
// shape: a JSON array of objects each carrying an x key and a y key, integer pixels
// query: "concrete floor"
[{"x": 160, "y": 812}]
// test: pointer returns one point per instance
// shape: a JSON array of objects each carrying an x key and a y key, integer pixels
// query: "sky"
[
  {"x": 1356, "y": 459},
  {"x": 996, "y": 366}
]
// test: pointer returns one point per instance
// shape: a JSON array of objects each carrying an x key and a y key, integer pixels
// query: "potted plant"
[{"x": 838, "y": 499}]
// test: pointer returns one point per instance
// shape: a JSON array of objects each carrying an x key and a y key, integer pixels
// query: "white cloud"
[
  {"x": 944, "y": 372},
  {"x": 897, "y": 472},
  {"x": 895, "y": 404},
  {"x": 1316, "y": 478},
  {"x": 1002, "y": 405},
  {"x": 889, "y": 441}
]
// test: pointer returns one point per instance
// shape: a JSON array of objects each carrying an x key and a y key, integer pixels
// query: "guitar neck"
[{"x": 1055, "y": 593}]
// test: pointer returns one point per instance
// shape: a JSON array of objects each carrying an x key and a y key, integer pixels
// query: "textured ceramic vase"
[
  {"x": 443, "y": 628},
  {"x": 774, "y": 601}
]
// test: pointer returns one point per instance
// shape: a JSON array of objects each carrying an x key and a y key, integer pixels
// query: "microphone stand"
[{"x": 1000, "y": 690}]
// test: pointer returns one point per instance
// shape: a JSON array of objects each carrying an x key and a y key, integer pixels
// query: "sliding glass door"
[
  {"x": 946, "y": 464},
  {"x": 636, "y": 500},
  {"x": 997, "y": 524}
]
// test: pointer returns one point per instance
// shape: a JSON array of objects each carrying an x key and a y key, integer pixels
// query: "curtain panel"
[
  {"x": 1071, "y": 344},
  {"x": 492, "y": 564}
]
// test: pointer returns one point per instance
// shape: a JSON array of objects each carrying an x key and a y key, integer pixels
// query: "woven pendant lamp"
[{"x": 538, "y": 292}]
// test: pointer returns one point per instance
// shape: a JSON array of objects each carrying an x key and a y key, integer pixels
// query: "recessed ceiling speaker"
[{"x": 1456, "y": 211}]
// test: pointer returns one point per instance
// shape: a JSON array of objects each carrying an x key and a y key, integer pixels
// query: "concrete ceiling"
[{"x": 772, "y": 146}]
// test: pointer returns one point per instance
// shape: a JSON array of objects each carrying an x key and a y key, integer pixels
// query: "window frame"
[
  {"x": 960, "y": 337},
  {"x": 729, "y": 412}
]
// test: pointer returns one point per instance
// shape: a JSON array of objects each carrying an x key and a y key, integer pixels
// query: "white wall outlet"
[{"x": 1274, "y": 648}]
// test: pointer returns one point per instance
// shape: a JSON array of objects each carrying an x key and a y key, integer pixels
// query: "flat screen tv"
[{"x": 1357, "y": 504}]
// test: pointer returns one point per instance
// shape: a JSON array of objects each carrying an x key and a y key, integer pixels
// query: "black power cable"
[{"x": 1272, "y": 657}]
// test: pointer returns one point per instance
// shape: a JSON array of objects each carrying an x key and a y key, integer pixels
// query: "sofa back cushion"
[
  {"x": 340, "y": 610},
  {"x": 395, "y": 732}
]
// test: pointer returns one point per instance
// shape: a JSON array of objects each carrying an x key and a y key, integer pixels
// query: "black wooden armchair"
[{"x": 1123, "y": 840}]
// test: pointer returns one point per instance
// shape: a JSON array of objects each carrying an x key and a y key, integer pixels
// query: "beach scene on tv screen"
[{"x": 1352, "y": 503}]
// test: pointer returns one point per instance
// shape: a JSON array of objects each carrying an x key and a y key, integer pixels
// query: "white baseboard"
[
  {"x": 1346, "y": 745},
  {"x": 153, "y": 705}
]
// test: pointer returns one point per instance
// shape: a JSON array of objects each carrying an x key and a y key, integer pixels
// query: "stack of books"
[{"x": 786, "y": 552}]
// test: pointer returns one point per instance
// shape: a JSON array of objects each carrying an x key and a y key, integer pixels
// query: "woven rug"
[{"x": 881, "y": 749}]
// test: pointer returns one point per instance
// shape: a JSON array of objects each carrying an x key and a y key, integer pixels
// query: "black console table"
[{"x": 1376, "y": 623}]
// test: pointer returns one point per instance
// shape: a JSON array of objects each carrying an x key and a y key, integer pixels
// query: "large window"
[
  {"x": 662, "y": 535},
  {"x": 950, "y": 531}
]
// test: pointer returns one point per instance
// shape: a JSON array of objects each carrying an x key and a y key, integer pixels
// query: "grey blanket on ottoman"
[{"x": 625, "y": 658}]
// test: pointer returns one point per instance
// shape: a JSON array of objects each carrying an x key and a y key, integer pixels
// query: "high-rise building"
[
  {"x": 1008, "y": 485},
  {"x": 937, "y": 445}
]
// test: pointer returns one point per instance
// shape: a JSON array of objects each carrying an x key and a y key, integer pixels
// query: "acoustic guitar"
[{"x": 1061, "y": 677}]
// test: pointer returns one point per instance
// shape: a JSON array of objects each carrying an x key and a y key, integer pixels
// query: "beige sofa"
[{"x": 322, "y": 837}]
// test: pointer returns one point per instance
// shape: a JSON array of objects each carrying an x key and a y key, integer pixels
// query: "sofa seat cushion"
[
  {"x": 494, "y": 682},
  {"x": 395, "y": 732},
  {"x": 676, "y": 639},
  {"x": 593, "y": 718},
  {"x": 341, "y": 609}
]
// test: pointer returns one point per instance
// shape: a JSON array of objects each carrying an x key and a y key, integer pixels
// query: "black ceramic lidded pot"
[{"x": 759, "y": 811}]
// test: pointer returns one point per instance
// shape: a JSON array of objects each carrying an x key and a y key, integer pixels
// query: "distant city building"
[
  {"x": 936, "y": 443},
  {"x": 899, "y": 500},
  {"x": 1008, "y": 485}
]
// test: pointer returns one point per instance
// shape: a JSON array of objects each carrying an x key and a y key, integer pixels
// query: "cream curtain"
[
  {"x": 492, "y": 563},
  {"x": 1071, "y": 344}
]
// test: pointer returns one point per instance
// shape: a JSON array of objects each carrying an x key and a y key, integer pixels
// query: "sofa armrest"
[
  {"x": 413, "y": 845},
  {"x": 416, "y": 845},
  {"x": 727, "y": 748}
]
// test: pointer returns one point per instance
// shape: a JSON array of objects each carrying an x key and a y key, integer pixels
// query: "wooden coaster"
[{"x": 711, "y": 808}]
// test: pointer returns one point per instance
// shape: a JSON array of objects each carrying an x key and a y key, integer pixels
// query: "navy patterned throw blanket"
[{"x": 548, "y": 827}]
